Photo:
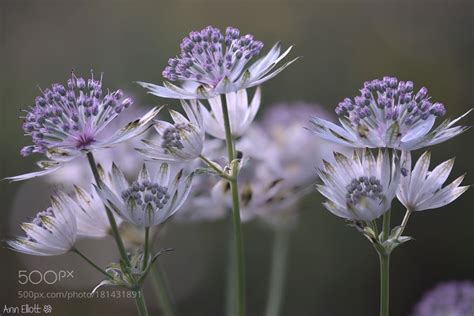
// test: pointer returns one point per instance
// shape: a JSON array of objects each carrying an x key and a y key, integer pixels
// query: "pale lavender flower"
[
  {"x": 241, "y": 113},
  {"x": 123, "y": 154},
  {"x": 360, "y": 188},
  {"x": 211, "y": 63},
  {"x": 283, "y": 137},
  {"x": 200, "y": 204},
  {"x": 421, "y": 189},
  {"x": 52, "y": 232},
  {"x": 68, "y": 121},
  {"x": 258, "y": 189},
  {"x": 91, "y": 218},
  {"x": 448, "y": 299},
  {"x": 388, "y": 113},
  {"x": 178, "y": 142},
  {"x": 151, "y": 199}
]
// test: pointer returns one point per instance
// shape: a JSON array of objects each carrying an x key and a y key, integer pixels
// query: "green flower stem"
[
  {"x": 384, "y": 257},
  {"x": 215, "y": 168},
  {"x": 139, "y": 298},
  {"x": 145, "y": 248},
  {"x": 230, "y": 301},
  {"x": 92, "y": 263},
  {"x": 239, "y": 249},
  {"x": 110, "y": 216},
  {"x": 404, "y": 222},
  {"x": 281, "y": 246},
  {"x": 384, "y": 283},
  {"x": 140, "y": 302},
  {"x": 159, "y": 283},
  {"x": 386, "y": 225}
]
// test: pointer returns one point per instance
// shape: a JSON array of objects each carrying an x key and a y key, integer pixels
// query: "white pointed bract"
[
  {"x": 389, "y": 114},
  {"x": 181, "y": 141},
  {"x": 68, "y": 122},
  {"x": 241, "y": 114},
  {"x": 92, "y": 220},
  {"x": 52, "y": 232},
  {"x": 360, "y": 188},
  {"x": 151, "y": 199},
  {"x": 282, "y": 136},
  {"x": 211, "y": 64},
  {"x": 258, "y": 189},
  {"x": 421, "y": 189}
]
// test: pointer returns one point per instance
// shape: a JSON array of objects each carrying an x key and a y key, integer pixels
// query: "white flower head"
[
  {"x": 92, "y": 220},
  {"x": 52, "y": 232},
  {"x": 129, "y": 160},
  {"x": 389, "y": 114},
  {"x": 283, "y": 137},
  {"x": 181, "y": 141},
  {"x": 421, "y": 189},
  {"x": 362, "y": 187},
  {"x": 69, "y": 121},
  {"x": 257, "y": 189},
  {"x": 211, "y": 63},
  {"x": 200, "y": 205},
  {"x": 151, "y": 199},
  {"x": 241, "y": 113}
]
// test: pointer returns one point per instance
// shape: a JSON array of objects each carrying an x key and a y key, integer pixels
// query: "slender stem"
[
  {"x": 161, "y": 288},
  {"x": 230, "y": 302},
  {"x": 386, "y": 225},
  {"x": 214, "y": 167},
  {"x": 92, "y": 263},
  {"x": 281, "y": 245},
  {"x": 404, "y": 222},
  {"x": 110, "y": 216},
  {"x": 384, "y": 283},
  {"x": 384, "y": 257},
  {"x": 140, "y": 302},
  {"x": 239, "y": 250},
  {"x": 145, "y": 248},
  {"x": 227, "y": 128}
]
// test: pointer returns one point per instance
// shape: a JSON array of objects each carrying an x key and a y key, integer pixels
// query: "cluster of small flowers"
[
  {"x": 450, "y": 298},
  {"x": 70, "y": 118},
  {"x": 75, "y": 120},
  {"x": 212, "y": 75},
  {"x": 386, "y": 115},
  {"x": 207, "y": 56}
]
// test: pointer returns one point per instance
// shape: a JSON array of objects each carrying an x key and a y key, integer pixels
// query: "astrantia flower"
[
  {"x": 448, "y": 299},
  {"x": 181, "y": 141},
  {"x": 257, "y": 189},
  {"x": 129, "y": 160},
  {"x": 362, "y": 187},
  {"x": 52, "y": 232},
  {"x": 68, "y": 121},
  {"x": 211, "y": 63},
  {"x": 241, "y": 114},
  {"x": 200, "y": 204},
  {"x": 92, "y": 220},
  {"x": 151, "y": 199},
  {"x": 389, "y": 113},
  {"x": 421, "y": 189},
  {"x": 282, "y": 135}
]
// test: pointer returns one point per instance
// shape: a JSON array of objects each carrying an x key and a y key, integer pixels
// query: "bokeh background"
[{"x": 332, "y": 269}]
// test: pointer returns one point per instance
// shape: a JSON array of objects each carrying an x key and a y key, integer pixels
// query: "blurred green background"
[{"x": 332, "y": 269}]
